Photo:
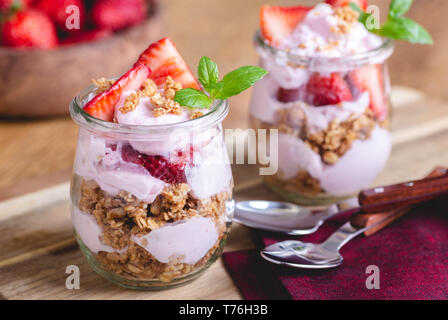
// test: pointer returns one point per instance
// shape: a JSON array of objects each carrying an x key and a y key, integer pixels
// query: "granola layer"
[
  {"x": 331, "y": 144},
  {"x": 123, "y": 216}
]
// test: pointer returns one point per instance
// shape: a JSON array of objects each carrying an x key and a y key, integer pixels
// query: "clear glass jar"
[
  {"x": 151, "y": 205},
  {"x": 327, "y": 152}
]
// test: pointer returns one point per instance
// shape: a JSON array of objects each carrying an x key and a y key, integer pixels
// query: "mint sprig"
[
  {"x": 232, "y": 83},
  {"x": 396, "y": 27}
]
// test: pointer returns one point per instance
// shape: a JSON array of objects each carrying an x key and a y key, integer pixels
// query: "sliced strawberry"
[
  {"x": 342, "y": 3},
  {"x": 158, "y": 166},
  {"x": 103, "y": 105},
  {"x": 321, "y": 91},
  {"x": 370, "y": 78},
  {"x": 277, "y": 23},
  {"x": 164, "y": 60}
]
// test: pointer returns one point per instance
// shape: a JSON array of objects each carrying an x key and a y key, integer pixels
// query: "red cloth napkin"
[{"x": 412, "y": 256}]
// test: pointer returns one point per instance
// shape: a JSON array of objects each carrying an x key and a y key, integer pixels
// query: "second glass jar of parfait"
[
  {"x": 151, "y": 205},
  {"x": 327, "y": 152}
]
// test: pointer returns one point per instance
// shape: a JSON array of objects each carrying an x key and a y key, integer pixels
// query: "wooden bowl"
[{"x": 37, "y": 83}]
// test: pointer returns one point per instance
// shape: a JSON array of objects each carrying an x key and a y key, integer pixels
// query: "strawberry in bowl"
[
  {"x": 327, "y": 92},
  {"x": 57, "y": 39},
  {"x": 152, "y": 185}
]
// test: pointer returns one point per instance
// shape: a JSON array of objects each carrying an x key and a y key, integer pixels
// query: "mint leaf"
[
  {"x": 397, "y": 27},
  {"x": 192, "y": 98},
  {"x": 207, "y": 71},
  {"x": 402, "y": 28},
  {"x": 214, "y": 89},
  {"x": 233, "y": 83},
  {"x": 239, "y": 80},
  {"x": 399, "y": 7}
]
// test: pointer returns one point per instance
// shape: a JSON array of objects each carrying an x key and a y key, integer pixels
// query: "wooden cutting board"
[{"x": 37, "y": 242}]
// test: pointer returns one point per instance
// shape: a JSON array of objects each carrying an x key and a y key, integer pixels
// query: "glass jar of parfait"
[
  {"x": 151, "y": 193},
  {"x": 331, "y": 110},
  {"x": 151, "y": 205}
]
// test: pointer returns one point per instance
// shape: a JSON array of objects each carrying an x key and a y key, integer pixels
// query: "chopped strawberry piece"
[
  {"x": 103, "y": 105},
  {"x": 321, "y": 91},
  {"x": 341, "y": 3},
  {"x": 277, "y": 23},
  {"x": 164, "y": 60},
  {"x": 158, "y": 166},
  {"x": 288, "y": 95},
  {"x": 370, "y": 78}
]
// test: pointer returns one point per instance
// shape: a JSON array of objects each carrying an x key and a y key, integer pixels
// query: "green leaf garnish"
[
  {"x": 207, "y": 71},
  {"x": 239, "y": 80},
  {"x": 403, "y": 28},
  {"x": 192, "y": 98},
  {"x": 232, "y": 84},
  {"x": 396, "y": 27},
  {"x": 399, "y": 7}
]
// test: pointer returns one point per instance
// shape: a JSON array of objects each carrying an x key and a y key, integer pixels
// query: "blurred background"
[{"x": 42, "y": 82}]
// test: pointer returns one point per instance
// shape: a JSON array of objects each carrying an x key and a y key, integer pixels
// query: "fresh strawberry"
[
  {"x": 341, "y": 3},
  {"x": 288, "y": 95},
  {"x": 164, "y": 60},
  {"x": 57, "y": 11},
  {"x": 158, "y": 166},
  {"x": 29, "y": 29},
  {"x": 87, "y": 36},
  {"x": 370, "y": 78},
  {"x": 103, "y": 105},
  {"x": 5, "y": 5},
  {"x": 277, "y": 23},
  {"x": 321, "y": 91},
  {"x": 118, "y": 14}
]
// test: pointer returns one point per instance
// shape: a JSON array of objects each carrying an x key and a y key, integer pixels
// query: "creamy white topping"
[
  {"x": 317, "y": 35},
  {"x": 355, "y": 170},
  {"x": 90, "y": 232},
  {"x": 97, "y": 160},
  {"x": 188, "y": 240}
]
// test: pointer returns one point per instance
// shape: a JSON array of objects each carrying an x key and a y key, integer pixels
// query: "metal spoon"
[
  {"x": 326, "y": 254},
  {"x": 283, "y": 217},
  {"x": 293, "y": 219}
]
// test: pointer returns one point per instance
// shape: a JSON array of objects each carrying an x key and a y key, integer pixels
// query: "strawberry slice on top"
[
  {"x": 342, "y": 3},
  {"x": 277, "y": 23},
  {"x": 164, "y": 60},
  {"x": 103, "y": 105},
  {"x": 370, "y": 78}
]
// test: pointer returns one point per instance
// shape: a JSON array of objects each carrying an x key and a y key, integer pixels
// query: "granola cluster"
[
  {"x": 163, "y": 102},
  {"x": 102, "y": 84},
  {"x": 123, "y": 215},
  {"x": 330, "y": 144},
  {"x": 346, "y": 17},
  {"x": 334, "y": 142}
]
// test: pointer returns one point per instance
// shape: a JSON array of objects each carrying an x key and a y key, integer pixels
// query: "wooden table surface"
[{"x": 39, "y": 153}]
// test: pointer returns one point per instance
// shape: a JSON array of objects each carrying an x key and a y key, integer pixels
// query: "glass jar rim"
[
  {"x": 218, "y": 111},
  {"x": 381, "y": 53}
]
